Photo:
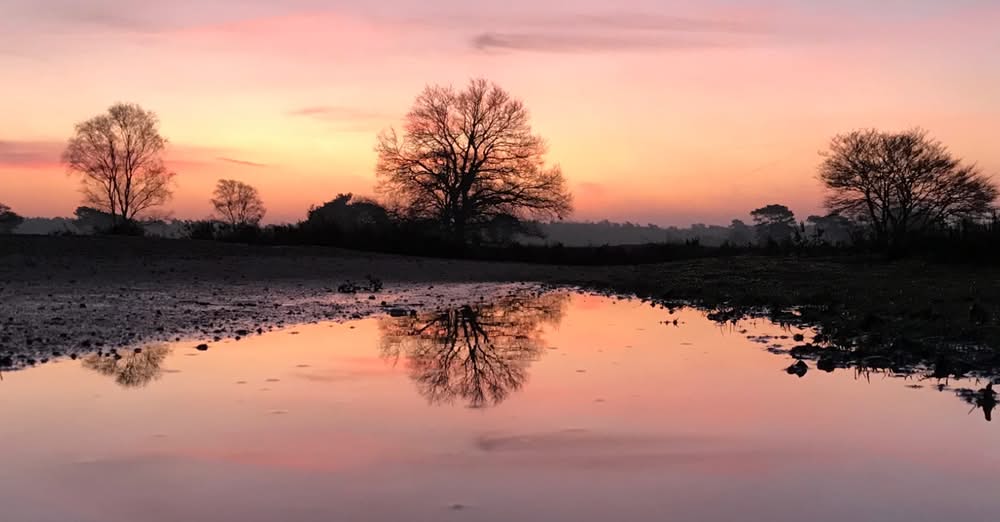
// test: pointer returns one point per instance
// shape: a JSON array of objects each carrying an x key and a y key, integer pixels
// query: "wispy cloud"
[
  {"x": 107, "y": 16},
  {"x": 577, "y": 43},
  {"x": 337, "y": 113},
  {"x": 74, "y": 15},
  {"x": 583, "y": 32},
  {"x": 30, "y": 153},
  {"x": 344, "y": 119},
  {"x": 242, "y": 162},
  {"x": 638, "y": 21}
]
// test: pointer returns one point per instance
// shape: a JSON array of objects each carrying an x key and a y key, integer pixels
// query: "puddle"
[{"x": 558, "y": 406}]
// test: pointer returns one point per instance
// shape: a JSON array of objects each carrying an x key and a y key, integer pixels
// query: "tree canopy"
[
  {"x": 773, "y": 223},
  {"x": 237, "y": 203},
  {"x": 901, "y": 183},
  {"x": 466, "y": 157},
  {"x": 119, "y": 158}
]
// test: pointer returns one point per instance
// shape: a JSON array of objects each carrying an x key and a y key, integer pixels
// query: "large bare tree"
[
  {"x": 901, "y": 183},
  {"x": 119, "y": 157},
  {"x": 237, "y": 203},
  {"x": 466, "y": 157}
]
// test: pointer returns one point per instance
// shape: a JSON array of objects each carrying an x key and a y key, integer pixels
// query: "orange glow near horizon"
[{"x": 657, "y": 112}]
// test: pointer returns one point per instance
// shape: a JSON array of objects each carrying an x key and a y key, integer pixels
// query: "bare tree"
[
  {"x": 237, "y": 203},
  {"x": 119, "y": 156},
  {"x": 901, "y": 183},
  {"x": 466, "y": 157}
]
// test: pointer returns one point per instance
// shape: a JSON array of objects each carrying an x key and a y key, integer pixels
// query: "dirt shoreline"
[
  {"x": 61, "y": 296},
  {"x": 64, "y": 295}
]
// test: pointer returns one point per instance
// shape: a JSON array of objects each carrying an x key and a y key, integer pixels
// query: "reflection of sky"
[
  {"x": 648, "y": 105},
  {"x": 621, "y": 416}
]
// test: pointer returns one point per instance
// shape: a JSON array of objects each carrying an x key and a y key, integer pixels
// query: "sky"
[{"x": 658, "y": 111}]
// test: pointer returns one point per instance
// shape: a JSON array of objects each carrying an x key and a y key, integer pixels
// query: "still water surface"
[{"x": 561, "y": 407}]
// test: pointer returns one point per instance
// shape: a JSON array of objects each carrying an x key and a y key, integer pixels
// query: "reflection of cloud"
[
  {"x": 330, "y": 376},
  {"x": 586, "y": 449},
  {"x": 583, "y": 440}
]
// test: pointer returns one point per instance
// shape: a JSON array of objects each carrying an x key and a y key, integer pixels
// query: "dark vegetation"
[{"x": 9, "y": 220}]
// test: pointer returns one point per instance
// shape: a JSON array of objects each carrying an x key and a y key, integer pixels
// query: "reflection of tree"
[
  {"x": 984, "y": 399},
  {"x": 478, "y": 353},
  {"x": 132, "y": 370}
]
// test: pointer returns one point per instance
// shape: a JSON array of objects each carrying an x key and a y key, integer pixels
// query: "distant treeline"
[
  {"x": 580, "y": 233},
  {"x": 363, "y": 224}
]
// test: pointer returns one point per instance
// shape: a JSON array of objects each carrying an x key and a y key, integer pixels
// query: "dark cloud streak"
[
  {"x": 579, "y": 43},
  {"x": 644, "y": 22},
  {"x": 573, "y": 33},
  {"x": 242, "y": 162}
]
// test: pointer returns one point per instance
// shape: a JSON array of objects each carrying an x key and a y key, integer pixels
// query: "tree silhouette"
[
  {"x": 832, "y": 229},
  {"x": 477, "y": 353},
  {"x": 119, "y": 157},
  {"x": 9, "y": 220},
  {"x": 739, "y": 233},
  {"x": 773, "y": 223},
  {"x": 90, "y": 219},
  {"x": 506, "y": 230},
  {"x": 132, "y": 370},
  {"x": 901, "y": 183},
  {"x": 237, "y": 203},
  {"x": 348, "y": 213},
  {"x": 468, "y": 156}
]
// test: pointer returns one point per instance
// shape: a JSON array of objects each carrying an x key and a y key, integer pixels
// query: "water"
[{"x": 563, "y": 407}]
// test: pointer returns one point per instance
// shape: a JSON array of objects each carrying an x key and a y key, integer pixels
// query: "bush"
[
  {"x": 126, "y": 228},
  {"x": 202, "y": 230}
]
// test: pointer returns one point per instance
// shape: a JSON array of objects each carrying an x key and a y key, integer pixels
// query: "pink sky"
[{"x": 657, "y": 111}]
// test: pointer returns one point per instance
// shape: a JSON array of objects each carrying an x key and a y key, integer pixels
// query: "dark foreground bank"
[{"x": 66, "y": 294}]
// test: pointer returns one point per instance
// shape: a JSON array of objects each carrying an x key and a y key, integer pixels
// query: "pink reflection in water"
[{"x": 582, "y": 410}]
